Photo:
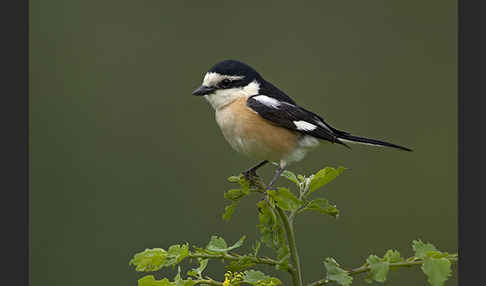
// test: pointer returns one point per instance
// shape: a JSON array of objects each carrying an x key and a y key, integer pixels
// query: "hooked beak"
[{"x": 203, "y": 90}]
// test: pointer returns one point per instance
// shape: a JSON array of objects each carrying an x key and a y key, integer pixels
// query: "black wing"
[{"x": 291, "y": 116}]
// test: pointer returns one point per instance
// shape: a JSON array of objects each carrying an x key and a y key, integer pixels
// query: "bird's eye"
[{"x": 225, "y": 83}]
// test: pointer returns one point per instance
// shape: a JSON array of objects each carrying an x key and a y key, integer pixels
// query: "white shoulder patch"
[
  {"x": 267, "y": 100},
  {"x": 304, "y": 125}
]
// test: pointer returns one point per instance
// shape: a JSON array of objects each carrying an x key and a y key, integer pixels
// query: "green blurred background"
[{"x": 124, "y": 158}]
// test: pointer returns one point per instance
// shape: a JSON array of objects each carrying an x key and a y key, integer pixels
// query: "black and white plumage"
[
  {"x": 291, "y": 116},
  {"x": 260, "y": 120}
]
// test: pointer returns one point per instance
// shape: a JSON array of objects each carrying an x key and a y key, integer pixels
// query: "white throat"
[{"x": 223, "y": 97}]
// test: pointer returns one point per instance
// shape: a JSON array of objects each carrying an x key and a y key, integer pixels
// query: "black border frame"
[{"x": 14, "y": 209}]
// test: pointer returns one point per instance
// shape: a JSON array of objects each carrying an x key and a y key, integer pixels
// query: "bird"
[{"x": 261, "y": 121}]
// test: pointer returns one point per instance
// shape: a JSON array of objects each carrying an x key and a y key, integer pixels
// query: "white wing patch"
[
  {"x": 304, "y": 125},
  {"x": 268, "y": 101}
]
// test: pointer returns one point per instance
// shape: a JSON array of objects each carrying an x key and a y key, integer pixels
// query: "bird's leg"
[
  {"x": 277, "y": 174},
  {"x": 250, "y": 174}
]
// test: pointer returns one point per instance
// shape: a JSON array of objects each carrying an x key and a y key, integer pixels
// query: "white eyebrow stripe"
[
  {"x": 304, "y": 125},
  {"x": 212, "y": 78},
  {"x": 268, "y": 101}
]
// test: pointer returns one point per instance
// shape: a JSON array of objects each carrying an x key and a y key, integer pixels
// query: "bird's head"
[{"x": 227, "y": 81}]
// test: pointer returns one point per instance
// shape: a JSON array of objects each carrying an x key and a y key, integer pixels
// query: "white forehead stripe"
[
  {"x": 268, "y": 101},
  {"x": 212, "y": 78},
  {"x": 304, "y": 125}
]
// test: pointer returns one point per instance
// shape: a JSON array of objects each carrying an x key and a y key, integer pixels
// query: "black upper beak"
[{"x": 203, "y": 90}]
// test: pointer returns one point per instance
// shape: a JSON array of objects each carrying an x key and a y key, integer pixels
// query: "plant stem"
[
  {"x": 257, "y": 260},
  {"x": 289, "y": 230},
  {"x": 208, "y": 282}
]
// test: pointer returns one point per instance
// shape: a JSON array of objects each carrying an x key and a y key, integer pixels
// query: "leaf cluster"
[
  {"x": 436, "y": 265},
  {"x": 154, "y": 259},
  {"x": 276, "y": 215}
]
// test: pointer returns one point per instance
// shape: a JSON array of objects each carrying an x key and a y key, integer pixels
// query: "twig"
[
  {"x": 366, "y": 268},
  {"x": 234, "y": 257},
  {"x": 208, "y": 282}
]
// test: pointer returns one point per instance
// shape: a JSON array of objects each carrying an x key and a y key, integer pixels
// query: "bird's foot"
[
  {"x": 254, "y": 179},
  {"x": 250, "y": 175}
]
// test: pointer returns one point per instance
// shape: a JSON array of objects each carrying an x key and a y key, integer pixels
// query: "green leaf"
[
  {"x": 271, "y": 229},
  {"x": 234, "y": 179},
  {"x": 393, "y": 256},
  {"x": 236, "y": 194},
  {"x": 149, "y": 260},
  {"x": 256, "y": 248},
  {"x": 322, "y": 206},
  {"x": 337, "y": 274},
  {"x": 197, "y": 272},
  {"x": 217, "y": 244},
  {"x": 285, "y": 199},
  {"x": 421, "y": 249},
  {"x": 438, "y": 270},
  {"x": 254, "y": 277},
  {"x": 378, "y": 268},
  {"x": 229, "y": 210},
  {"x": 149, "y": 280},
  {"x": 176, "y": 253},
  {"x": 244, "y": 183},
  {"x": 283, "y": 258},
  {"x": 323, "y": 177},
  {"x": 290, "y": 176},
  {"x": 156, "y": 258}
]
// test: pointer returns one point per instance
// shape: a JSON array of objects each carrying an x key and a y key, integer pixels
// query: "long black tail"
[{"x": 346, "y": 137}]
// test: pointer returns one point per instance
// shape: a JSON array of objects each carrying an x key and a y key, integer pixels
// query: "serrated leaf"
[
  {"x": 285, "y": 199},
  {"x": 176, "y": 253},
  {"x": 378, "y": 268},
  {"x": 336, "y": 273},
  {"x": 438, "y": 270},
  {"x": 393, "y": 256},
  {"x": 149, "y": 260},
  {"x": 422, "y": 248},
  {"x": 229, "y": 210},
  {"x": 217, "y": 244},
  {"x": 197, "y": 272},
  {"x": 290, "y": 176},
  {"x": 149, "y": 280},
  {"x": 322, "y": 206},
  {"x": 255, "y": 277},
  {"x": 323, "y": 177}
]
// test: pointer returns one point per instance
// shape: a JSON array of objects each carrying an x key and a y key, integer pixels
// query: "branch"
[
  {"x": 364, "y": 269},
  {"x": 236, "y": 257},
  {"x": 289, "y": 230},
  {"x": 208, "y": 281}
]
